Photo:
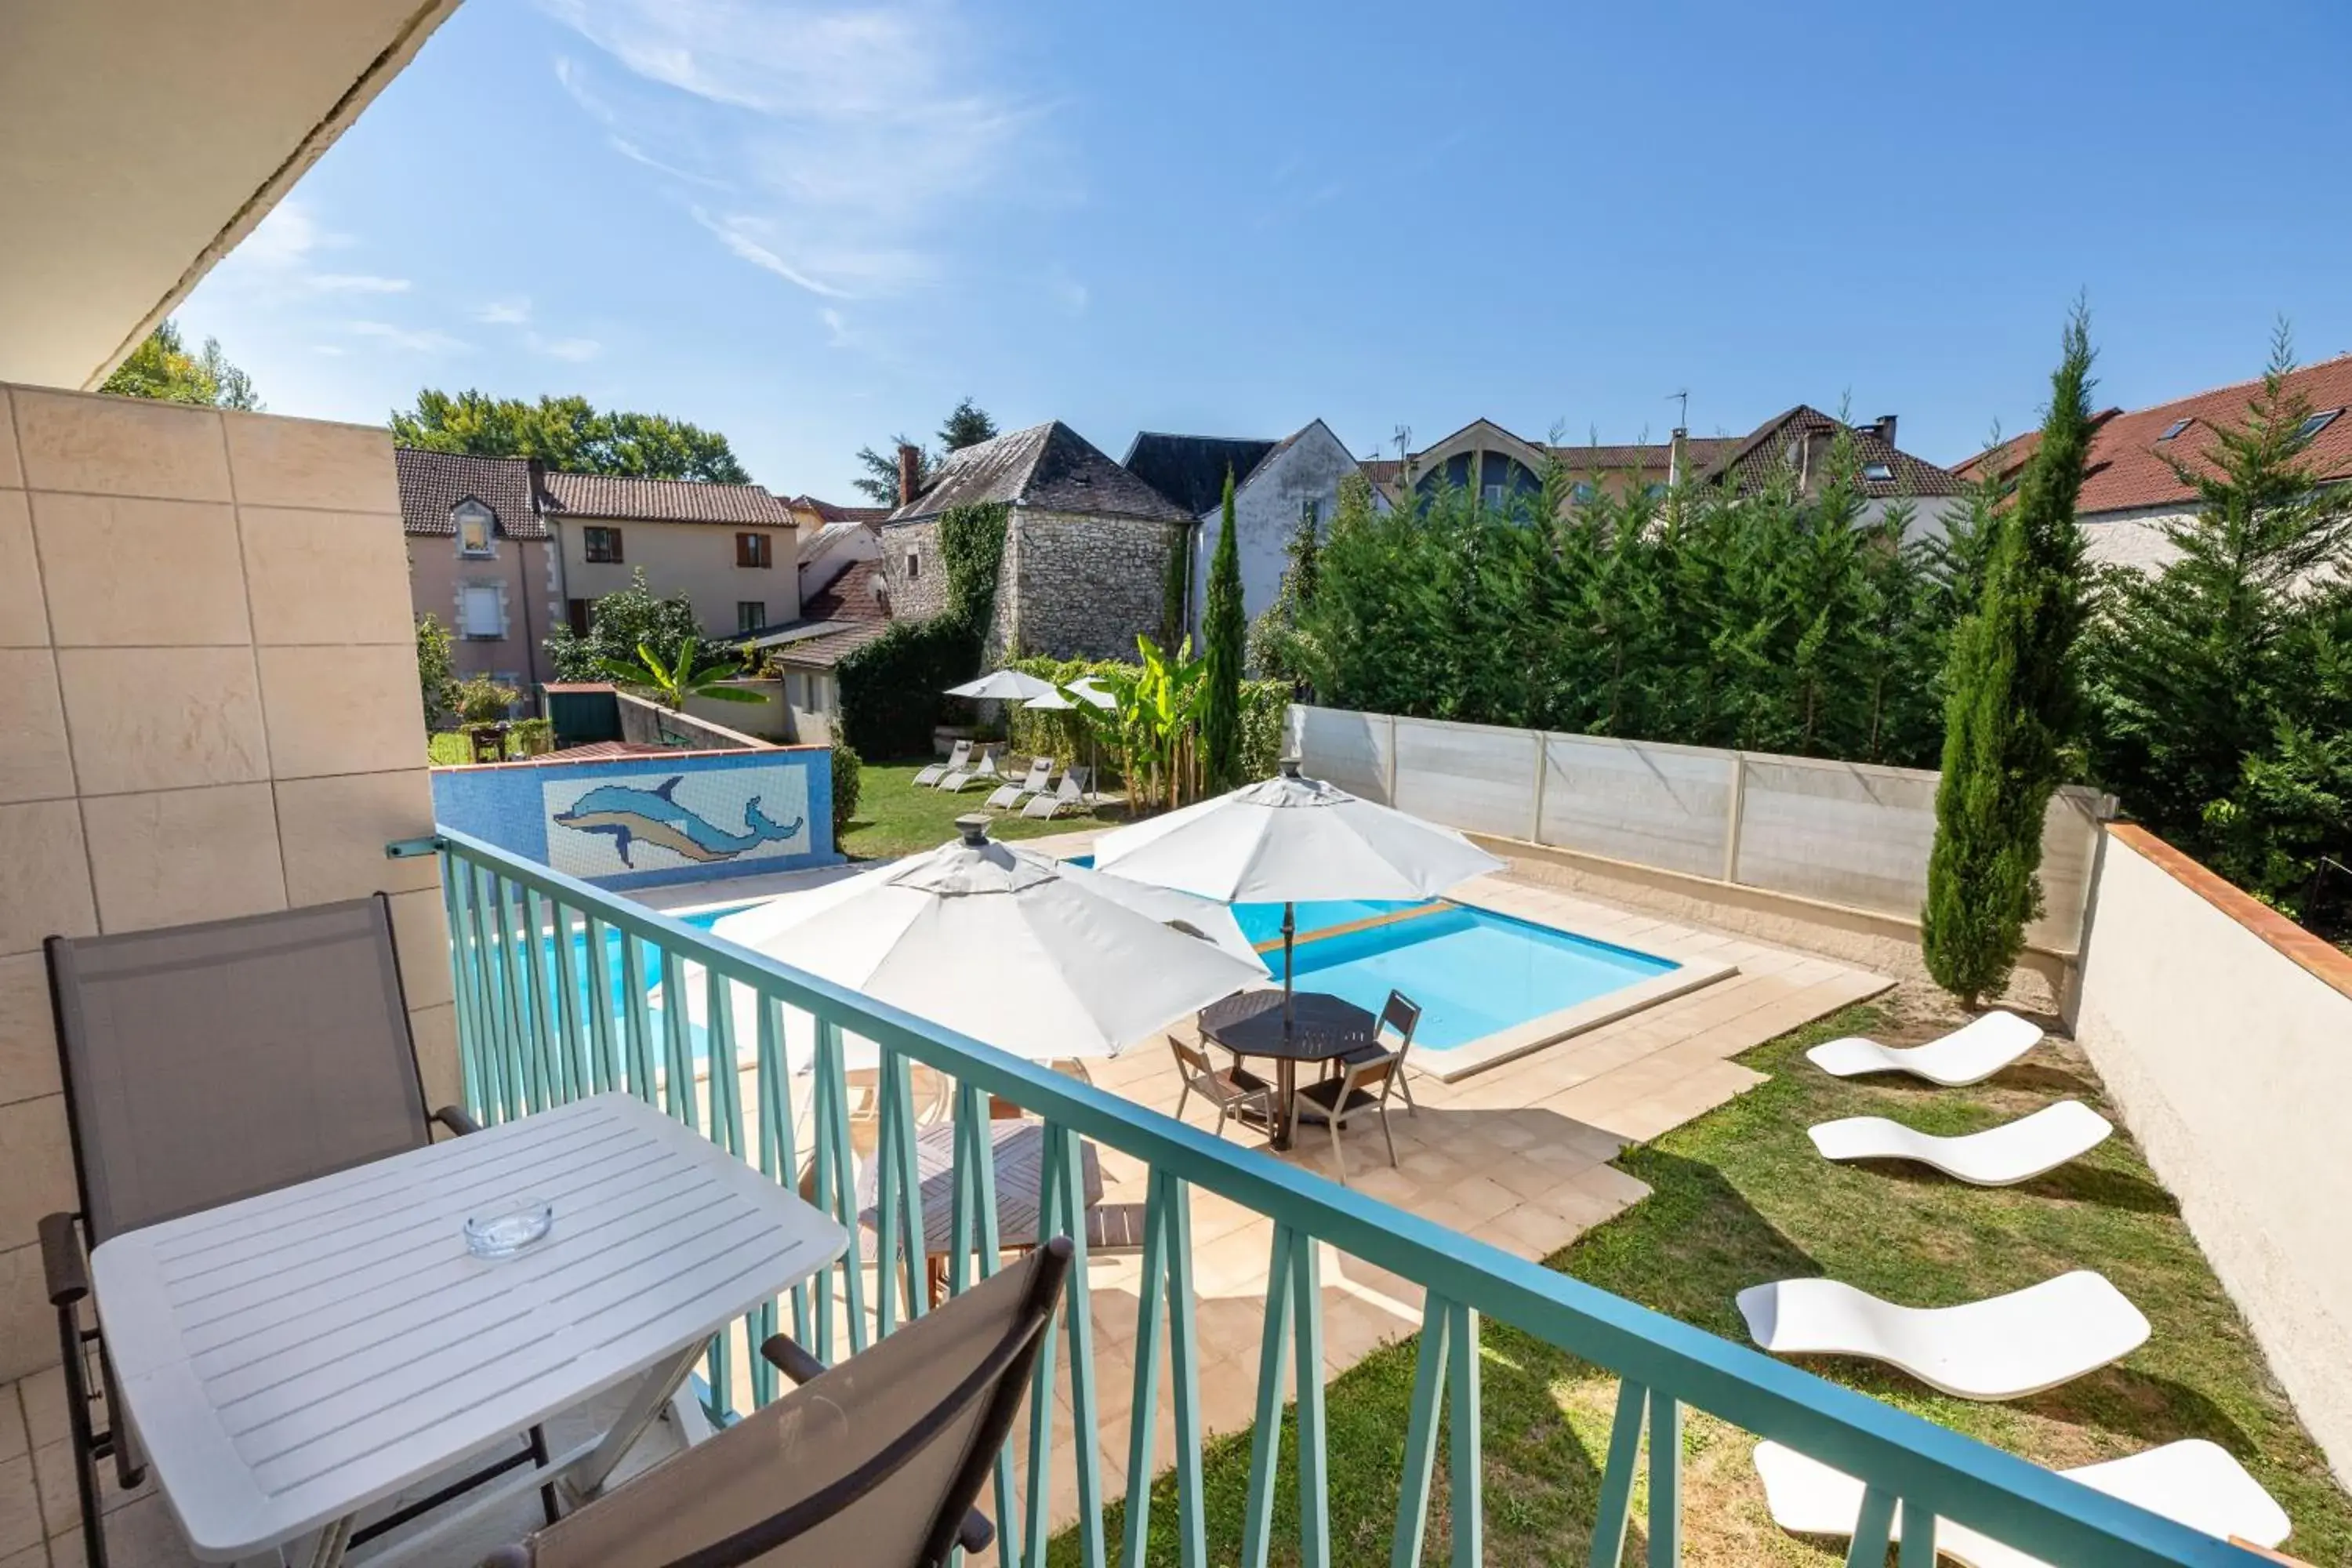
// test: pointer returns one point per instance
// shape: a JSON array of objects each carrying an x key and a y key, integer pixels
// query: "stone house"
[
  {"x": 734, "y": 550},
  {"x": 1086, "y": 547},
  {"x": 1278, "y": 488},
  {"x": 480, "y": 559}
]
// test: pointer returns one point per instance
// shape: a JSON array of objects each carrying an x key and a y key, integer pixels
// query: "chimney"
[
  {"x": 1677, "y": 457},
  {"x": 910, "y": 465},
  {"x": 1885, "y": 426}
]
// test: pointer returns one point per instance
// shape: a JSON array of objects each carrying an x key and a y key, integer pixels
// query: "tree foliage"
[
  {"x": 2222, "y": 684},
  {"x": 673, "y": 681},
  {"x": 892, "y": 689},
  {"x": 1772, "y": 621},
  {"x": 1279, "y": 648},
  {"x": 967, "y": 425},
  {"x": 1224, "y": 630},
  {"x": 620, "y": 624},
  {"x": 436, "y": 668},
  {"x": 2011, "y": 705},
  {"x": 568, "y": 433},
  {"x": 162, "y": 368}
]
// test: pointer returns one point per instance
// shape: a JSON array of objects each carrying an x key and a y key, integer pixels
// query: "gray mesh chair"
[
  {"x": 209, "y": 1063},
  {"x": 876, "y": 1462}
]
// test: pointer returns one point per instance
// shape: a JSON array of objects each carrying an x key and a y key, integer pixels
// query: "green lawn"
[
  {"x": 448, "y": 748},
  {"x": 896, "y": 817},
  {"x": 1740, "y": 1196}
]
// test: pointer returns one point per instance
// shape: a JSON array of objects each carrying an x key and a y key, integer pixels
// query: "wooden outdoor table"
[
  {"x": 294, "y": 1358},
  {"x": 1249, "y": 1024},
  {"x": 1017, "y": 1149}
]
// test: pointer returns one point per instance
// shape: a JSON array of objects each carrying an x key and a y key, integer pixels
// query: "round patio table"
[{"x": 1322, "y": 1026}]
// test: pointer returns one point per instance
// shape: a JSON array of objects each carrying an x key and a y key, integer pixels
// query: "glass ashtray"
[{"x": 509, "y": 1229}]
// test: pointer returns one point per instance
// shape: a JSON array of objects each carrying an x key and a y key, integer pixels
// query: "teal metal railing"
[{"x": 565, "y": 990}]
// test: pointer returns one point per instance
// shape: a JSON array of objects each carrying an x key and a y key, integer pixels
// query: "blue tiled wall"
[{"x": 643, "y": 821}]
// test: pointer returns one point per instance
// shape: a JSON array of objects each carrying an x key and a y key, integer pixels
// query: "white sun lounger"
[
  {"x": 2004, "y": 1347},
  {"x": 1040, "y": 775},
  {"x": 961, "y": 754},
  {"x": 2000, "y": 1156},
  {"x": 1968, "y": 1055},
  {"x": 1070, "y": 793},
  {"x": 2194, "y": 1482}
]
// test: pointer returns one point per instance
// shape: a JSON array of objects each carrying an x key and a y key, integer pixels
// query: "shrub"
[
  {"x": 847, "y": 777},
  {"x": 437, "y": 675},
  {"x": 532, "y": 737},
  {"x": 481, "y": 701},
  {"x": 891, "y": 688},
  {"x": 618, "y": 624}
]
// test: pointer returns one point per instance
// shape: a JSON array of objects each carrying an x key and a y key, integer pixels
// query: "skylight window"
[
  {"x": 2315, "y": 424},
  {"x": 2174, "y": 428},
  {"x": 1879, "y": 472}
]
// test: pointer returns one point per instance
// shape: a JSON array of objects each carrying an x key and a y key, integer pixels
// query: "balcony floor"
[{"x": 1517, "y": 1155}]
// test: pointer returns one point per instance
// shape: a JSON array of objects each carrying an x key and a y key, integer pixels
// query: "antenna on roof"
[
  {"x": 1403, "y": 439},
  {"x": 1681, "y": 420}
]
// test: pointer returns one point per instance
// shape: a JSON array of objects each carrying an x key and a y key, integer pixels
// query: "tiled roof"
[
  {"x": 1191, "y": 470},
  {"x": 2128, "y": 467},
  {"x": 1579, "y": 459},
  {"x": 1049, "y": 466},
  {"x": 1751, "y": 463},
  {"x": 822, "y": 650},
  {"x": 432, "y": 483},
  {"x": 850, "y": 596},
  {"x": 629, "y": 500},
  {"x": 829, "y": 512}
]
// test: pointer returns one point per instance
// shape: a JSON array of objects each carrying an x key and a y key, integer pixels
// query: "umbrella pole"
[{"x": 1289, "y": 932}]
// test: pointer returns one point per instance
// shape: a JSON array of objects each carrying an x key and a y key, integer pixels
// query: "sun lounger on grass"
[
  {"x": 2003, "y": 1347},
  {"x": 1007, "y": 795},
  {"x": 1968, "y": 1055},
  {"x": 1070, "y": 795},
  {"x": 2196, "y": 1483},
  {"x": 961, "y": 754},
  {"x": 2000, "y": 1156}
]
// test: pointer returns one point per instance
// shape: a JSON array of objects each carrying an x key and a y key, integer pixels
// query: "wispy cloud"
[
  {"x": 575, "y": 350},
  {"x": 848, "y": 140},
  {"x": 411, "y": 340},
  {"x": 356, "y": 283},
  {"x": 511, "y": 311},
  {"x": 836, "y": 331}
]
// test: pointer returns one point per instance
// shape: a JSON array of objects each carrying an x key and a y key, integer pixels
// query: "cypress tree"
[
  {"x": 1224, "y": 628},
  {"x": 2010, "y": 711},
  {"x": 1176, "y": 588}
]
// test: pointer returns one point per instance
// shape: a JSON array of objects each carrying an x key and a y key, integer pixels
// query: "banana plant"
[
  {"x": 686, "y": 676},
  {"x": 1154, "y": 722}
]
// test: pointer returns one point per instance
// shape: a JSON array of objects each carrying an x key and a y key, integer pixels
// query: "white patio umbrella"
[
  {"x": 1047, "y": 960},
  {"x": 1289, "y": 839},
  {"x": 1091, "y": 696},
  {"x": 1004, "y": 685}
]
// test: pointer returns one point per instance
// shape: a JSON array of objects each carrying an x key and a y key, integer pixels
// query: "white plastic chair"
[
  {"x": 2194, "y": 1482},
  {"x": 1968, "y": 1055},
  {"x": 1040, "y": 775},
  {"x": 958, "y": 755},
  {"x": 2004, "y": 1347},
  {"x": 1069, "y": 794},
  {"x": 2000, "y": 1156}
]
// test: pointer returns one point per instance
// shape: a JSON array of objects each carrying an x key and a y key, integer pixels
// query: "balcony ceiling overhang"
[{"x": 139, "y": 140}]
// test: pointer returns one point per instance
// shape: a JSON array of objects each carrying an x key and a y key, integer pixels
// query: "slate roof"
[
  {"x": 1191, "y": 470},
  {"x": 1752, "y": 462},
  {"x": 849, "y": 596},
  {"x": 1581, "y": 458},
  {"x": 2127, "y": 469},
  {"x": 830, "y": 513},
  {"x": 629, "y": 500},
  {"x": 820, "y": 649},
  {"x": 1050, "y": 467},
  {"x": 432, "y": 483}
]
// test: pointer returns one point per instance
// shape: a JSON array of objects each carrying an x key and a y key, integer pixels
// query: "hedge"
[{"x": 892, "y": 689}]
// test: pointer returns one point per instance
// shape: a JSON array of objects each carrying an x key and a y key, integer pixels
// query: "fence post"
[
  {"x": 1543, "y": 768},
  {"x": 1735, "y": 807},
  {"x": 1390, "y": 798}
]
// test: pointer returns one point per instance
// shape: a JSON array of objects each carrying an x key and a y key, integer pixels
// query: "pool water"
[{"x": 1473, "y": 972}]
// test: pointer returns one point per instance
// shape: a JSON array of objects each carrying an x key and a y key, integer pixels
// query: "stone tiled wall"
[
  {"x": 208, "y": 707},
  {"x": 919, "y": 589},
  {"x": 1083, "y": 585}
]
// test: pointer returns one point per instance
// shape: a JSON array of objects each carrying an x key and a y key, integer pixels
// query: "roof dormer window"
[
  {"x": 2315, "y": 424},
  {"x": 473, "y": 522},
  {"x": 2174, "y": 428},
  {"x": 1879, "y": 473}
]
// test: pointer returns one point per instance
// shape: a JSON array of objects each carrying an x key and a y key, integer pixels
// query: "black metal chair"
[
  {"x": 876, "y": 1461},
  {"x": 209, "y": 1063}
]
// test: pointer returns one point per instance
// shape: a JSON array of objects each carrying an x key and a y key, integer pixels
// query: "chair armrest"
[
  {"x": 784, "y": 1353},
  {"x": 456, "y": 1120},
  {"x": 63, "y": 1269}
]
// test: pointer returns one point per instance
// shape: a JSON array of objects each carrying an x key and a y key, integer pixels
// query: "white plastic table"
[{"x": 293, "y": 1358}]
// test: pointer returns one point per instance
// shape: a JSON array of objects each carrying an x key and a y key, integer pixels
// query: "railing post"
[
  {"x": 1265, "y": 1434},
  {"x": 1420, "y": 1434},
  {"x": 1466, "y": 1500},
  {"x": 1665, "y": 1481},
  {"x": 1616, "y": 1507}
]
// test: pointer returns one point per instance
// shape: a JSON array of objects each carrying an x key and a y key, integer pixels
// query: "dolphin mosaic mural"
[{"x": 632, "y": 816}]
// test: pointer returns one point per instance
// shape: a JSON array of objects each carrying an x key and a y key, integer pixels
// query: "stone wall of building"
[
  {"x": 1083, "y": 586},
  {"x": 916, "y": 572}
]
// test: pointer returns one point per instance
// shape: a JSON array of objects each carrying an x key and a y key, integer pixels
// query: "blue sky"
[{"x": 812, "y": 225}]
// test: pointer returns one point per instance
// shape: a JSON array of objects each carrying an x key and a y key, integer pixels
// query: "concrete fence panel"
[
  {"x": 1649, "y": 803},
  {"x": 1351, "y": 749},
  {"x": 1470, "y": 777},
  {"x": 1839, "y": 832}
]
